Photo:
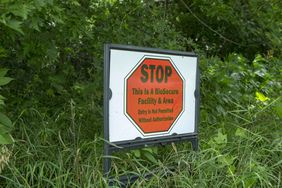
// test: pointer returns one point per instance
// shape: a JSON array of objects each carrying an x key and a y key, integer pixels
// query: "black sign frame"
[{"x": 110, "y": 147}]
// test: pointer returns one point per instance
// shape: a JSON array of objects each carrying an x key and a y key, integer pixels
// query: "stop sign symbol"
[{"x": 154, "y": 95}]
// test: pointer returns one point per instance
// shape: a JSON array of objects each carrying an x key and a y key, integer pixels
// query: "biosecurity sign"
[
  {"x": 149, "y": 94},
  {"x": 154, "y": 95}
]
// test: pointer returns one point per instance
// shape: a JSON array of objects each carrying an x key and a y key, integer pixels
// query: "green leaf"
[
  {"x": 6, "y": 138},
  {"x": 5, "y": 120},
  {"x": 258, "y": 59},
  {"x": 5, "y": 80},
  {"x": 4, "y": 129},
  {"x": 261, "y": 97},
  {"x": 21, "y": 11},
  {"x": 136, "y": 153},
  {"x": 35, "y": 23},
  {"x": 15, "y": 25},
  {"x": 240, "y": 132},
  {"x": 3, "y": 52},
  {"x": 5, "y": 1},
  {"x": 3, "y": 72},
  {"x": 2, "y": 98},
  {"x": 250, "y": 181},
  {"x": 150, "y": 157},
  {"x": 278, "y": 109},
  {"x": 220, "y": 138},
  {"x": 232, "y": 169}
]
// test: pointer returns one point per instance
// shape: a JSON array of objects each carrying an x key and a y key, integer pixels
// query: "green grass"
[
  {"x": 243, "y": 149},
  {"x": 59, "y": 143}
]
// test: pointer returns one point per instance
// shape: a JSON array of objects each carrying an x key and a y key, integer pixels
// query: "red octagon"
[{"x": 154, "y": 96}]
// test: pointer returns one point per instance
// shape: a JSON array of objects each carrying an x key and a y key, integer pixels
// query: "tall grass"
[
  {"x": 4, "y": 157},
  {"x": 240, "y": 138},
  {"x": 50, "y": 154},
  {"x": 243, "y": 150}
]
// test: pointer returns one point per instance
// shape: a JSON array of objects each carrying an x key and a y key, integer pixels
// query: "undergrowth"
[
  {"x": 53, "y": 52},
  {"x": 240, "y": 136}
]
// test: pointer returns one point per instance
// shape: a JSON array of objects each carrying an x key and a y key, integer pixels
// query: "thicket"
[{"x": 52, "y": 52}]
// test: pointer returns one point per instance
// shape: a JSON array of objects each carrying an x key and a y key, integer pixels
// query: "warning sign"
[
  {"x": 154, "y": 95},
  {"x": 150, "y": 95}
]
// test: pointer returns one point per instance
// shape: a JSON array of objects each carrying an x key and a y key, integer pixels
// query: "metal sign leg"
[
  {"x": 106, "y": 160},
  {"x": 195, "y": 144}
]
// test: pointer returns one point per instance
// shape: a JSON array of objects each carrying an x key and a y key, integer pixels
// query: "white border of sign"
[{"x": 119, "y": 61}]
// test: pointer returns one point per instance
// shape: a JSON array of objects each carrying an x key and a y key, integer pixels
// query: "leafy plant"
[
  {"x": 54, "y": 51},
  {"x": 5, "y": 123},
  {"x": 224, "y": 27}
]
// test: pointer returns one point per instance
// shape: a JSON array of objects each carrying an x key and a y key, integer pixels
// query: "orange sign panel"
[{"x": 154, "y": 95}]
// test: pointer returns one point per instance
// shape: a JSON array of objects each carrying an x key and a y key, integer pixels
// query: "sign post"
[{"x": 151, "y": 97}]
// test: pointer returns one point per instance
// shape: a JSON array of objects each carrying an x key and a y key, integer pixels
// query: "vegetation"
[{"x": 53, "y": 52}]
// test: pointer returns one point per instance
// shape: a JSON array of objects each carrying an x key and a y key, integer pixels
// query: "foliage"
[
  {"x": 54, "y": 51},
  {"x": 240, "y": 146},
  {"x": 222, "y": 27},
  {"x": 5, "y": 122},
  {"x": 238, "y": 82}
]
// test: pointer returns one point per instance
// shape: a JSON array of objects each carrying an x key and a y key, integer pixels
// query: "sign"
[
  {"x": 150, "y": 95},
  {"x": 154, "y": 95}
]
